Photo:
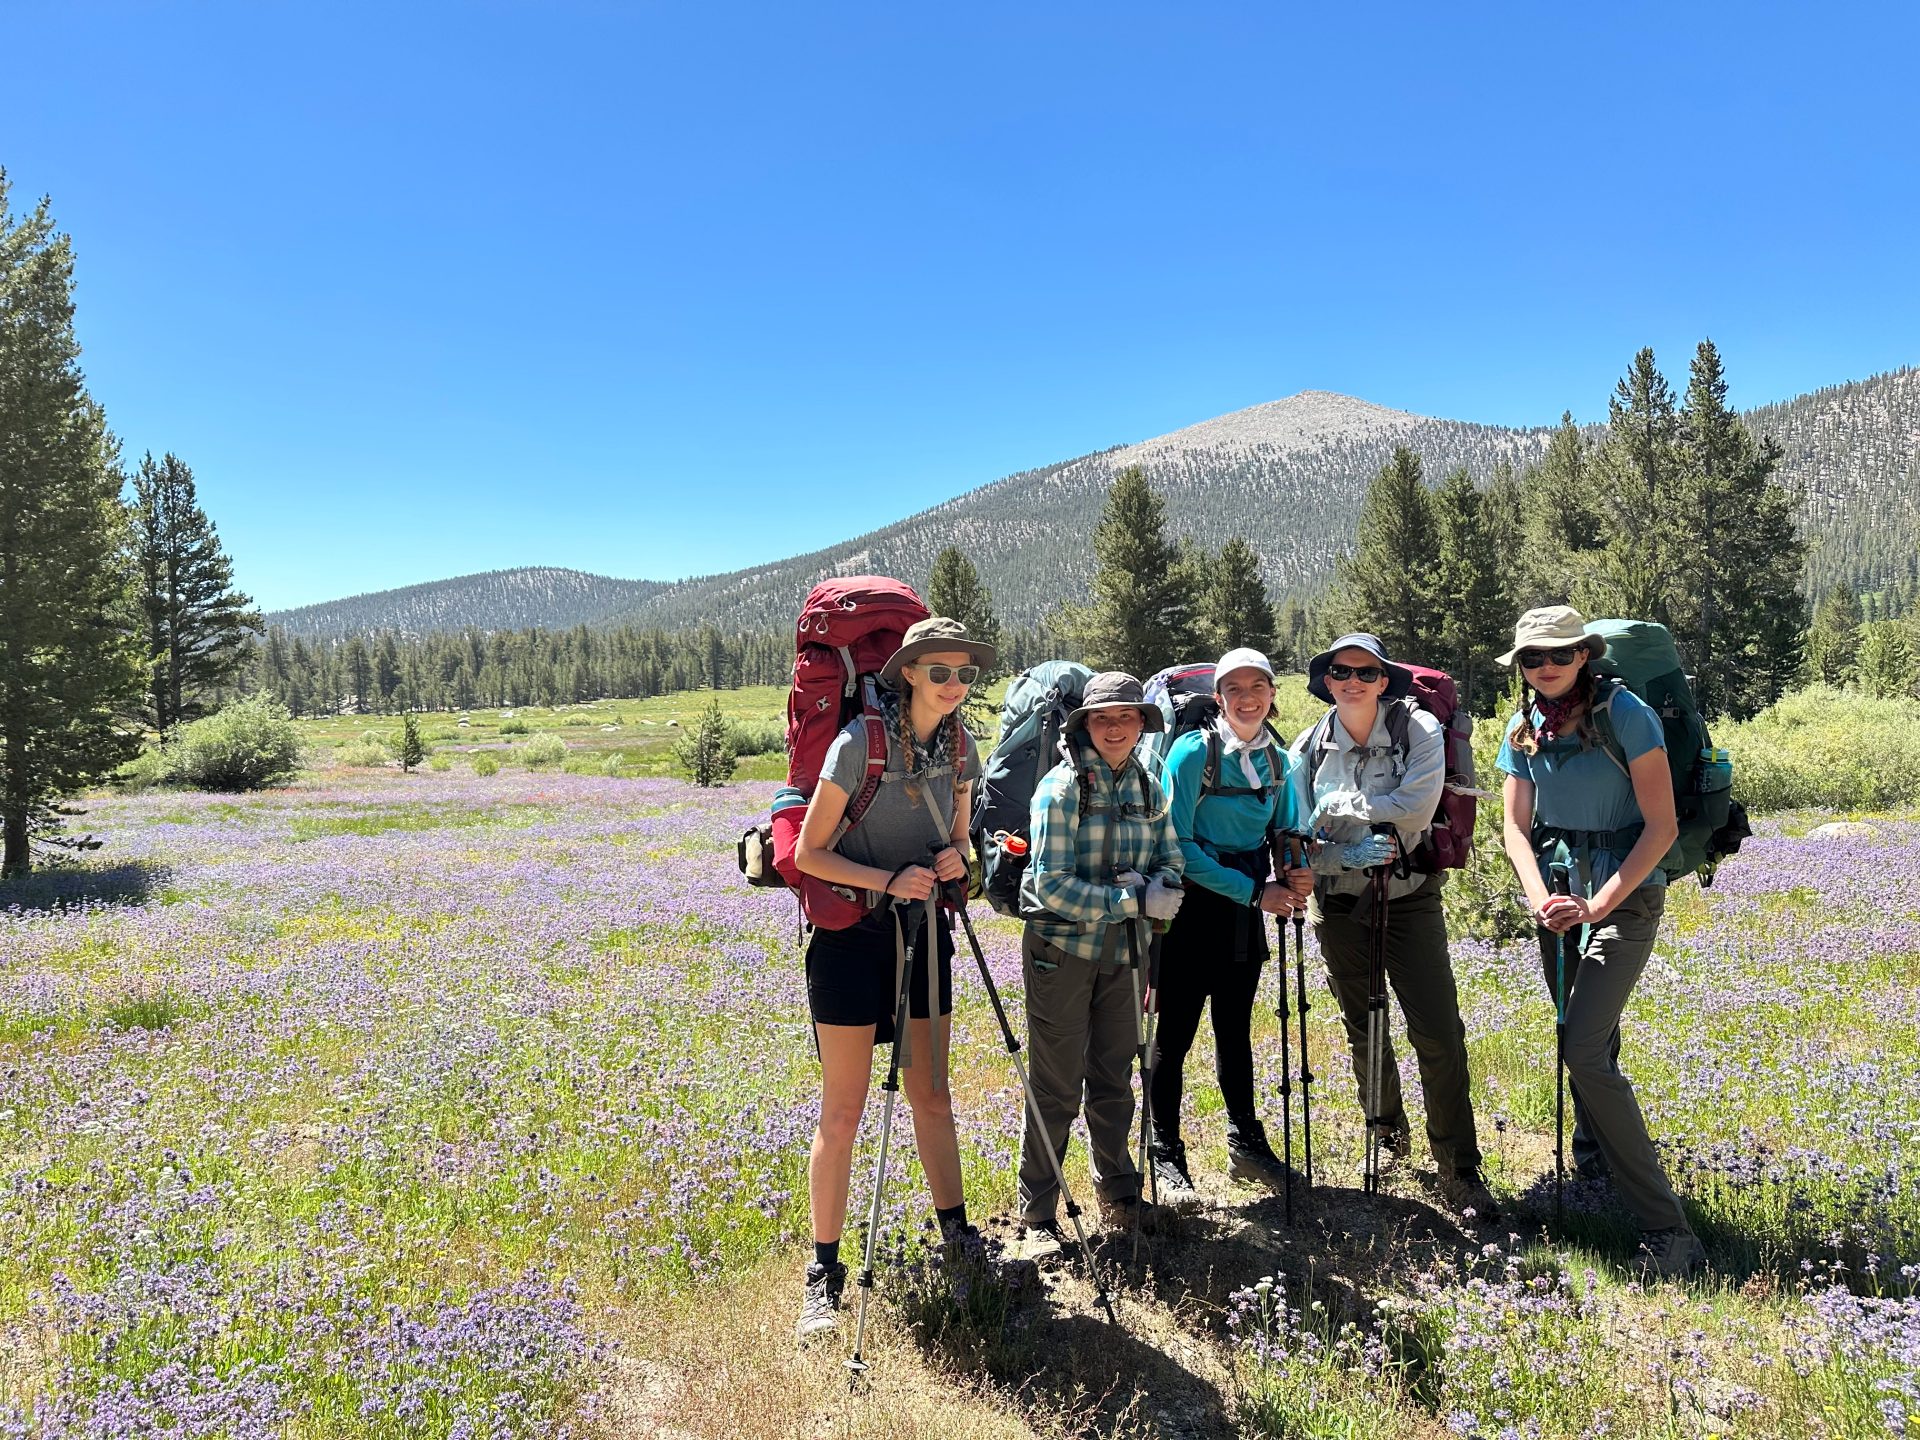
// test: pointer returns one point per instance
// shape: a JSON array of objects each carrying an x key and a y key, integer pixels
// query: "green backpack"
[{"x": 1641, "y": 656}]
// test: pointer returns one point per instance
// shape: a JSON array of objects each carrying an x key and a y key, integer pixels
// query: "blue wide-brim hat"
[{"x": 1399, "y": 678}]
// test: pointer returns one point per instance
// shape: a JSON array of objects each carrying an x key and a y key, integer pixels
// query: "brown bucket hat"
[
  {"x": 935, "y": 633},
  {"x": 1115, "y": 690}
]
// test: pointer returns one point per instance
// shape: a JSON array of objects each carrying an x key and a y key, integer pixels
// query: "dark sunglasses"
[
  {"x": 1534, "y": 659},
  {"x": 941, "y": 674},
  {"x": 1365, "y": 674}
]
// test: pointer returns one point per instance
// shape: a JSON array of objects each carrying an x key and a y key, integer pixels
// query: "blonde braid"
[{"x": 903, "y": 725}]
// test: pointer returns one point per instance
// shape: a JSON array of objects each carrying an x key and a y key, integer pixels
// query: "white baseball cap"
[{"x": 1243, "y": 658}]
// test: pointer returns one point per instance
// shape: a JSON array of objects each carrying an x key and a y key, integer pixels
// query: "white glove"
[{"x": 1162, "y": 901}]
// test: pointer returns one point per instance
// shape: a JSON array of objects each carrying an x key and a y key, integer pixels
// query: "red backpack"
[
  {"x": 1450, "y": 839},
  {"x": 846, "y": 631}
]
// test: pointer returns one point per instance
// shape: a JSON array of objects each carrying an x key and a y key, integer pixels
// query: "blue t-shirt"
[
  {"x": 1225, "y": 824},
  {"x": 1580, "y": 787}
]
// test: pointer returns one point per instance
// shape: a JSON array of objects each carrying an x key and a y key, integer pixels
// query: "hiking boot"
[
  {"x": 1594, "y": 1170},
  {"x": 1467, "y": 1193},
  {"x": 820, "y": 1310},
  {"x": 1118, "y": 1215},
  {"x": 1251, "y": 1158},
  {"x": 1669, "y": 1254},
  {"x": 1042, "y": 1240},
  {"x": 1171, "y": 1183}
]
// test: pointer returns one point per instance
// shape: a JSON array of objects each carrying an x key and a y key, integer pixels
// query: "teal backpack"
[
  {"x": 1033, "y": 717},
  {"x": 1642, "y": 657}
]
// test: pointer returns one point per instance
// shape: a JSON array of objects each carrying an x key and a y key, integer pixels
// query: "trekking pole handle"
[
  {"x": 953, "y": 893},
  {"x": 1562, "y": 883}
]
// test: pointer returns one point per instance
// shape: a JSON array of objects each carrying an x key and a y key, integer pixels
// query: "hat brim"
[
  {"x": 1596, "y": 647},
  {"x": 983, "y": 655},
  {"x": 1151, "y": 720},
  {"x": 1399, "y": 678}
]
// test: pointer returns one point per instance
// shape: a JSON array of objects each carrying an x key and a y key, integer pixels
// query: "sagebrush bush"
[
  {"x": 765, "y": 737},
  {"x": 514, "y": 727},
  {"x": 543, "y": 750},
  {"x": 486, "y": 763},
  {"x": 363, "y": 753},
  {"x": 1828, "y": 749},
  {"x": 248, "y": 745}
]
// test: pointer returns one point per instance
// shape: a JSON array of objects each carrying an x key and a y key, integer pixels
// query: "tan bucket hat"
[
  {"x": 937, "y": 632},
  {"x": 1553, "y": 627}
]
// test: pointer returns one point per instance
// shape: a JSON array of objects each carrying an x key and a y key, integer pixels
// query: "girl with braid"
[{"x": 912, "y": 838}]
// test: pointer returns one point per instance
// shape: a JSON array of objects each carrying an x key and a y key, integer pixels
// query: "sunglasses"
[
  {"x": 1534, "y": 659},
  {"x": 941, "y": 674},
  {"x": 1365, "y": 674}
]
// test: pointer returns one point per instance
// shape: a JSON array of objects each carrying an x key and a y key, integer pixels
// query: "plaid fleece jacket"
[{"x": 1068, "y": 876}]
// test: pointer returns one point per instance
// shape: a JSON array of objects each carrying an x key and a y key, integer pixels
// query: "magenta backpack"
[{"x": 1449, "y": 840}]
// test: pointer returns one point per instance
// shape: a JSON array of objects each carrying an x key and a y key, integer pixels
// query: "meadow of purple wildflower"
[{"x": 381, "y": 1105}]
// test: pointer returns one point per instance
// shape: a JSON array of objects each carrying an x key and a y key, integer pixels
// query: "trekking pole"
[
  {"x": 857, "y": 1366},
  {"x": 1562, "y": 885},
  {"x": 1297, "y": 845},
  {"x": 1143, "y": 1016},
  {"x": 958, "y": 901},
  {"x": 1279, "y": 851},
  {"x": 1376, "y": 1032}
]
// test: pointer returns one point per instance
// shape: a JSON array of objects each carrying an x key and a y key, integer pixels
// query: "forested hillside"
[{"x": 492, "y": 600}]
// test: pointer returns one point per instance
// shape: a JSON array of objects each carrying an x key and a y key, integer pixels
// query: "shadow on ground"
[{"x": 71, "y": 887}]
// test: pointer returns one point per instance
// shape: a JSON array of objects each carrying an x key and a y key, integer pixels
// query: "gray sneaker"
[
  {"x": 1464, "y": 1190},
  {"x": 1042, "y": 1240},
  {"x": 820, "y": 1310},
  {"x": 1669, "y": 1254}
]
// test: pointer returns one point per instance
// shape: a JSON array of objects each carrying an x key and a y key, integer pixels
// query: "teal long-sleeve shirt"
[{"x": 1224, "y": 824}]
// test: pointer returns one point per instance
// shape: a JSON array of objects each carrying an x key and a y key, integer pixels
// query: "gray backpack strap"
[{"x": 1600, "y": 723}]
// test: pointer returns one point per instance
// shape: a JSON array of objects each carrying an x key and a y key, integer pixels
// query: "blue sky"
[{"x": 662, "y": 290}]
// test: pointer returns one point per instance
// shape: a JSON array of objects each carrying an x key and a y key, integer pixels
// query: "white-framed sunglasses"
[{"x": 941, "y": 674}]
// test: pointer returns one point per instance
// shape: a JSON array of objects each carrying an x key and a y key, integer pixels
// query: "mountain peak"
[{"x": 1308, "y": 420}]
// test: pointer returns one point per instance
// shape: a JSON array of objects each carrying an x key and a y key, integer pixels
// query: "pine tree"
[
  {"x": 1888, "y": 667},
  {"x": 1141, "y": 618},
  {"x": 1474, "y": 612},
  {"x": 1734, "y": 587},
  {"x": 1386, "y": 585},
  {"x": 954, "y": 590},
  {"x": 706, "y": 750},
  {"x": 1559, "y": 527},
  {"x": 1834, "y": 637},
  {"x": 1290, "y": 636},
  {"x": 1234, "y": 607},
  {"x": 412, "y": 749},
  {"x": 68, "y": 668},
  {"x": 1636, "y": 477},
  {"x": 196, "y": 623}
]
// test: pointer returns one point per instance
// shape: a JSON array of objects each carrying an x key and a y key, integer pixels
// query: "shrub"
[
  {"x": 514, "y": 727},
  {"x": 145, "y": 770},
  {"x": 1827, "y": 748},
  {"x": 246, "y": 746},
  {"x": 612, "y": 764},
  {"x": 543, "y": 750},
  {"x": 765, "y": 737},
  {"x": 363, "y": 752},
  {"x": 439, "y": 763},
  {"x": 485, "y": 763}
]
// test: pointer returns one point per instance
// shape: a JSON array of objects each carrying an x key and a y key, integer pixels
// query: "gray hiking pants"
[
  {"x": 1606, "y": 1113},
  {"x": 1421, "y": 976},
  {"x": 1081, "y": 1037}
]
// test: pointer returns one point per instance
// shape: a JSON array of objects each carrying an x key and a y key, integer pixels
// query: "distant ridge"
[
  {"x": 1287, "y": 475},
  {"x": 491, "y": 600}
]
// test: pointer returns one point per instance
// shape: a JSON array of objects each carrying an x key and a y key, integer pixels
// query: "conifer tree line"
[{"x": 118, "y": 612}]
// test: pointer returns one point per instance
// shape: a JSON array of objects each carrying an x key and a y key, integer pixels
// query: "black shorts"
[{"x": 850, "y": 973}]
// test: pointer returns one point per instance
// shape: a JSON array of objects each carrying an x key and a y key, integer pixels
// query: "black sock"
[
  {"x": 826, "y": 1253},
  {"x": 952, "y": 1218}
]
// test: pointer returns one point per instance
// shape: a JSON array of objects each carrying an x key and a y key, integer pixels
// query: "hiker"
[
  {"x": 896, "y": 856},
  {"x": 1610, "y": 823},
  {"x": 1217, "y": 947},
  {"x": 1104, "y": 857},
  {"x": 1369, "y": 801}
]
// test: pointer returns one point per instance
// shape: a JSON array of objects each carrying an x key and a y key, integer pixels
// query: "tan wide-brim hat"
[
  {"x": 1553, "y": 627},
  {"x": 937, "y": 633},
  {"x": 1115, "y": 690}
]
